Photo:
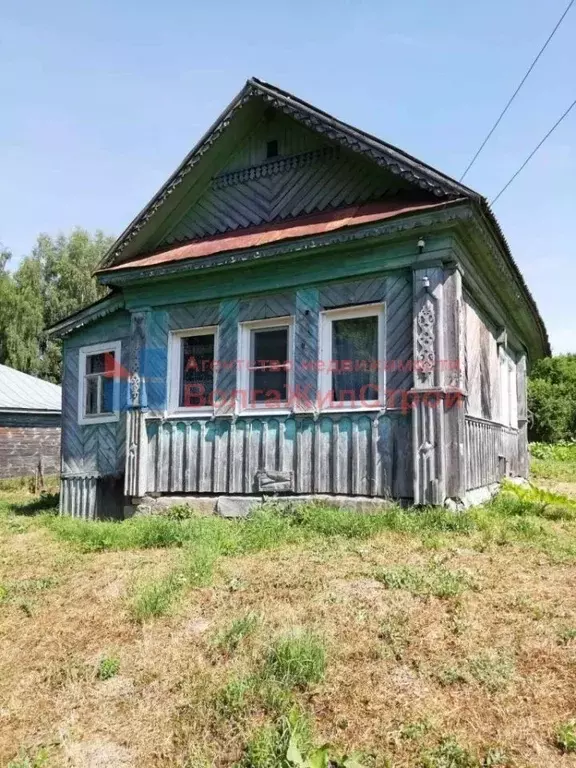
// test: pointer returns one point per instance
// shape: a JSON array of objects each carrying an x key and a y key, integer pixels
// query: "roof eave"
[{"x": 95, "y": 311}]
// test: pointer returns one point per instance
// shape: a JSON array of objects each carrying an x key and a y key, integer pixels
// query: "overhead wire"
[
  {"x": 536, "y": 148},
  {"x": 516, "y": 92}
]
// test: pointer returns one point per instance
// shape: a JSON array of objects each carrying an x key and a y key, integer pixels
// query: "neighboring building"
[
  {"x": 30, "y": 412},
  {"x": 303, "y": 309}
]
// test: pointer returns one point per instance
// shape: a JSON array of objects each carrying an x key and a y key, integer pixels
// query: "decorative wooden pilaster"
[
  {"x": 436, "y": 396},
  {"x": 136, "y": 438}
]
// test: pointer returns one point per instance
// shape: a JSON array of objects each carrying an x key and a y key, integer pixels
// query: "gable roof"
[
  {"x": 393, "y": 159},
  {"x": 22, "y": 392},
  {"x": 132, "y": 245}
]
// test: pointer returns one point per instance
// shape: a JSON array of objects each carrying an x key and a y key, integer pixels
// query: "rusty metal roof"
[{"x": 253, "y": 237}]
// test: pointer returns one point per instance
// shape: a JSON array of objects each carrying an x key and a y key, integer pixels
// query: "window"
[
  {"x": 265, "y": 371},
  {"x": 508, "y": 388},
  {"x": 272, "y": 149},
  {"x": 192, "y": 354},
  {"x": 99, "y": 383},
  {"x": 351, "y": 369}
]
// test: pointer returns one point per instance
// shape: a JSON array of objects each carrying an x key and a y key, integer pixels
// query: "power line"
[
  {"x": 497, "y": 123},
  {"x": 531, "y": 155}
]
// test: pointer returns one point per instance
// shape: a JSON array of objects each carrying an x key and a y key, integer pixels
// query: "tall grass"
[{"x": 296, "y": 660}]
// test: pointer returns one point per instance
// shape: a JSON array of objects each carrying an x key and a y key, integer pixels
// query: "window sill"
[
  {"x": 265, "y": 412},
  {"x": 190, "y": 413},
  {"x": 107, "y": 419},
  {"x": 348, "y": 408}
]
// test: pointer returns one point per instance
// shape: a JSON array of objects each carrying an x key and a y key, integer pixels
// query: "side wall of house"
[
  {"x": 495, "y": 379},
  {"x": 26, "y": 440},
  {"x": 93, "y": 455}
]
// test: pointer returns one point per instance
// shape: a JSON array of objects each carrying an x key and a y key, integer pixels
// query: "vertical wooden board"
[
  {"x": 194, "y": 453},
  {"x": 222, "y": 456},
  {"x": 361, "y": 455},
  {"x": 386, "y": 437},
  {"x": 270, "y": 432},
  {"x": 237, "y": 456},
  {"x": 306, "y": 456},
  {"x": 208, "y": 448},
  {"x": 403, "y": 487},
  {"x": 165, "y": 438},
  {"x": 343, "y": 459},
  {"x": 176, "y": 475},
  {"x": 375, "y": 480},
  {"x": 153, "y": 462},
  {"x": 324, "y": 458},
  {"x": 254, "y": 453},
  {"x": 288, "y": 453}
]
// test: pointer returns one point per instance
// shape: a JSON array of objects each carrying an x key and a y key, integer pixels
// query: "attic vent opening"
[{"x": 271, "y": 149}]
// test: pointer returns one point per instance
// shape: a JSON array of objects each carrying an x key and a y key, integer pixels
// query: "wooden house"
[
  {"x": 301, "y": 309},
  {"x": 29, "y": 424}
]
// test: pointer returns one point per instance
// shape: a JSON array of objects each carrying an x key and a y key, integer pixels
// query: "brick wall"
[{"x": 21, "y": 446}]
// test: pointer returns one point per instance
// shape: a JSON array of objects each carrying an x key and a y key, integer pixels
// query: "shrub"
[{"x": 296, "y": 660}]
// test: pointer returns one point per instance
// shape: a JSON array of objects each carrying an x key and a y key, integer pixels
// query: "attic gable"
[
  {"x": 195, "y": 178},
  {"x": 282, "y": 171}
]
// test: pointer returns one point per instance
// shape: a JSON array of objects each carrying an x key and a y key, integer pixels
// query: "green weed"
[
  {"x": 448, "y": 754},
  {"x": 154, "y": 598},
  {"x": 296, "y": 660},
  {"x": 428, "y": 580},
  {"x": 108, "y": 667},
  {"x": 395, "y": 632},
  {"x": 565, "y": 736},
  {"x": 230, "y": 638},
  {"x": 24, "y": 760},
  {"x": 491, "y": 670},
  {"x": 566, "y": 636}
]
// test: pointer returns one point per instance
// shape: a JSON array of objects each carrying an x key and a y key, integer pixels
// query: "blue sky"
[{"x": 101, "y": 100}]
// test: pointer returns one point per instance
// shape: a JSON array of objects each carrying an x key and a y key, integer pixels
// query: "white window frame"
[
  {"x": 98, "y": 349},
  {"x": 245, "y": 329},
  {"x": 175, "y": 368},
  {"x": 508, "y": 387},
  {"x": 325, "y": 357}
]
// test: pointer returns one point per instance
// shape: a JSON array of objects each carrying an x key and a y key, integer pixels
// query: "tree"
[
  {"x": 54, "y": 281},
  {"x": 552, "y": 399}
]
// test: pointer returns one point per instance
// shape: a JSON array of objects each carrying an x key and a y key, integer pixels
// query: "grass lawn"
[{"x": 428, "y": 639}]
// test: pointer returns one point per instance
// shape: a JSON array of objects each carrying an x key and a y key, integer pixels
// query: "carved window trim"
[{"x": 110, "y": 347}]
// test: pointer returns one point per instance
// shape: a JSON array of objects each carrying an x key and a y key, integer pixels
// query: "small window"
[
  {"x": 265, "y": 379},
  {"x": 99, "y": 383},
  {"x": 351, "y": 369},
  {"x": 272, "y": 149},
  {"x": 192, "y": 369}
]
